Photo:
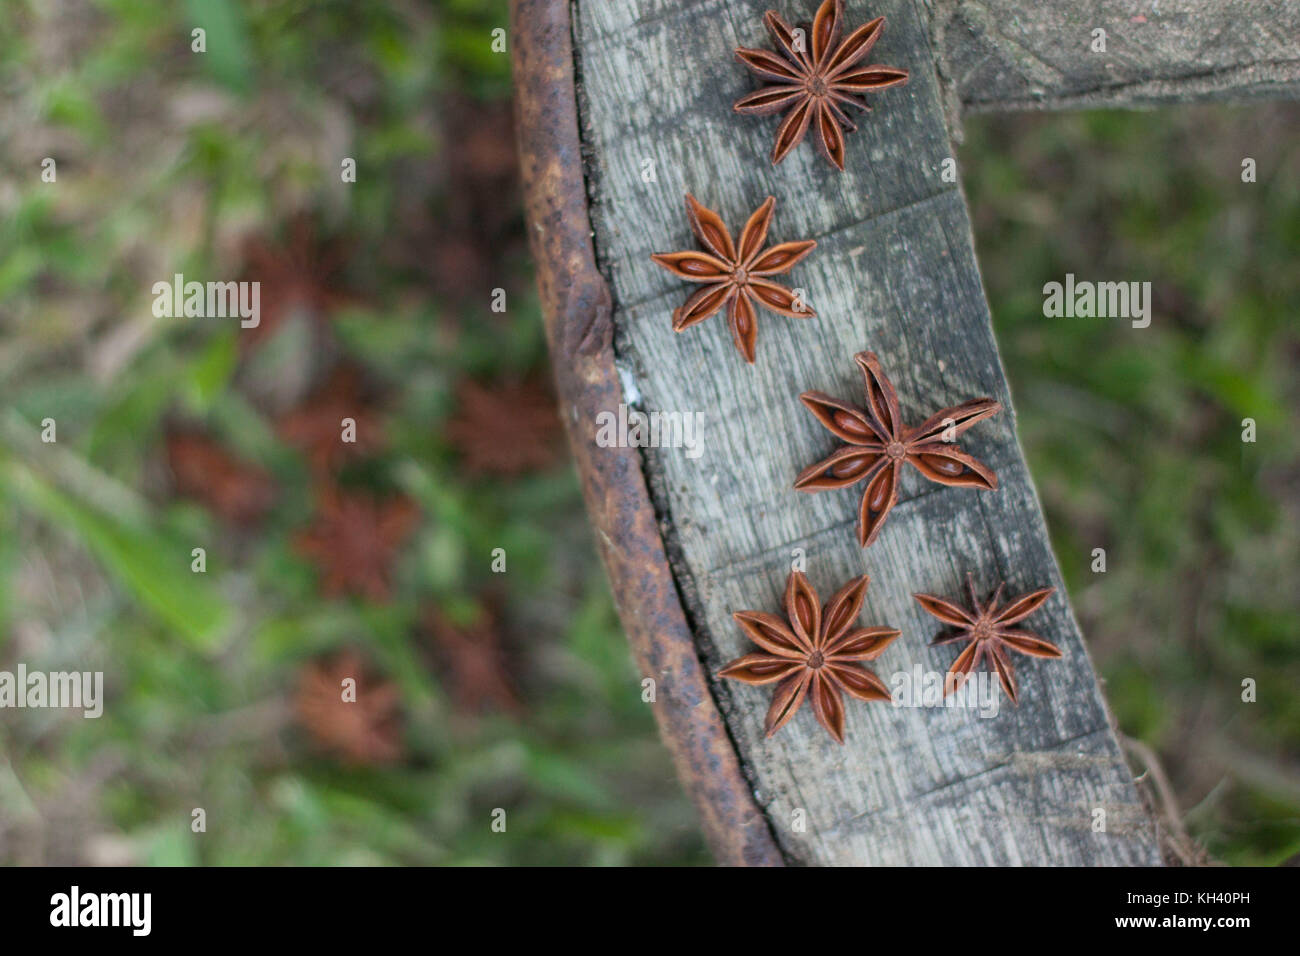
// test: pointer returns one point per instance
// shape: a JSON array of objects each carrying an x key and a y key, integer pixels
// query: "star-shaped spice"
[
  {"x": 203, "y": 469},
  {"x": 505, "y": 428},
  {"x": 739, "y": 278},
  {"x": 303, "y": 272},
  {"x": 460, "y": 217},
  {"x": 816, "y": 85},
  {"x": 316, "y": 426},
  {"x": 879, "y": 444},
  {"x": 355, "y": 540},
  {"x": 818, "y": 651},
  {"x": 363, "y": 730},
  {"x": 989, "y": 631},
  {"x": 476, "y": 663}
]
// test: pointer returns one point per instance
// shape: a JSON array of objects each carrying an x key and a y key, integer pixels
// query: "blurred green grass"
[{"x": 167, "y": 161}]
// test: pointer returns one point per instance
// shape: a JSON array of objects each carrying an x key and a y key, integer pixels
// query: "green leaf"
[
  {"x": 171, "y": 845},
  {"x": 211, "y": 371},
  {"x": 153, "y": 568},
  {"x": 227, "y": 57}
]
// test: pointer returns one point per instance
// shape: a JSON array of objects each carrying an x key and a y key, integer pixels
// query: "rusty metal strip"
[{"x": 579, "y": 326}]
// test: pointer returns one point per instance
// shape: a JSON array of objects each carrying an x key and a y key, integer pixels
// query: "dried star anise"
[
  {"x": 736, "y": 278},
  {"x": 505, "y": 428},
  {"x": 316, "y": 426},
  {"x": 364, "y": 730},
  {"x": 879, "y": 444},
  {"x": 460, "y": 215},
  {"x": 988, "y": 629},
  {"x": 302, "y": 273},
  {"x": 354, "y": 541},
  {"x": 818, "y": 650},
  {"x": 203, "y": 469},
  {"x": 815, "y": 86},
  {"x": 476, "y": 662}
]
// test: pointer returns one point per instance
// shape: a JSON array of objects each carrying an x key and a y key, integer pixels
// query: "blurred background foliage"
[
  {"x": 477, "y": 689},
  {"x": 480, "y": 689}
]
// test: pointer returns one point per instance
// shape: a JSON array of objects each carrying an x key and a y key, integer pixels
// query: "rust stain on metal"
[{"x": 579, "y": 328}]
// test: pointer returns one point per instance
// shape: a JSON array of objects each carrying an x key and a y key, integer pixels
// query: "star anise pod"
[
  {"x": 366, "y": 730},
  {"x": 816, "y": 85},
  {"x": 818, "y": 651},
  {"x": 461, "y": 218},
  {"x": 316, "y": 426},
  {"x": 205, "y": 470},
  {"x": 879, "y": 444},
  {"x": 476, "y": 664},
  {"x": 990, "y": 634},
  {"x": 303, "y": 272},
  {"x": 739, "y": 278},
  {"x": 355, "y": 540},
  {"x": 505, "y": 428}
]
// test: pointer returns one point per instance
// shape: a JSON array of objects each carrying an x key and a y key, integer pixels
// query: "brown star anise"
[
  {"x": 303, "y": 272},
  {"x": 460, "y": 215},
  {"x": 478, "y": 672},
  {"x": 354, "y": 541},
  {"x": 365, "y": 729},
  {"x": 879, "y": 445},
  {"x": 203, "y": 469},
  {"x": 988, "y": 629},
  {"x": 316, "y": 426},
  {"x": 818, "y": 650},
  {"x": 738, "y": 279},
  {"x": 505, "y": 428},
  {"x": 816, "y": 86}
]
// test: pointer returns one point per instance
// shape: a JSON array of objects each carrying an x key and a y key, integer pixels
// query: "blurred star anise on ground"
[
  {"x": 354, "y": 541},
  {"x": 364, "y": 731},
  {"x": 505, "y": 428},
  {"x": 316, "y": 426},
  {"x": 206, "y": 471},
  {"x": 468, "y": 227},
  {"x": 475, "y": 663},
  {"x": 301, "y": 272}
]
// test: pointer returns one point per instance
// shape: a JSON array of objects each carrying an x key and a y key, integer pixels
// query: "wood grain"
[
  {"x": 1007, "y": 54},
  {"x": 895, "y": 273}
]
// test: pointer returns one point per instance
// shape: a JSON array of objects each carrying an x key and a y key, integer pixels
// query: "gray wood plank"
[
  {"x": 1007, "y": 54},
  {"x": 895, "y": 273}
]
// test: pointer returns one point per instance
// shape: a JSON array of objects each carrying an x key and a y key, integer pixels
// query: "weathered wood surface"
[
  {"x": 894, "y": 272},
  {"x": 1008, "y": 54}
]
